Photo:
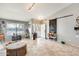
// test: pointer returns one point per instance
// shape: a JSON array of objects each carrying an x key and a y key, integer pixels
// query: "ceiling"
[{"x": 18, "y": 11}]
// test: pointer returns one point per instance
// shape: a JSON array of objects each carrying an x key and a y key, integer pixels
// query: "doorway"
[
  {"x": 39, "y": 27},
  {"x": 53, "y": 29}
]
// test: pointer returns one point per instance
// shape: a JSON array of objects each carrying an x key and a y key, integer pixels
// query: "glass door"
[
  {"x": 42, "y": 30},
  {"x": 36, "y": 28},
  {"x": 20, "y": 29},
  {"x": 11, "y": 28},
  {"x": 16, "y": 28},
  {"x": 39, "y": 29}
]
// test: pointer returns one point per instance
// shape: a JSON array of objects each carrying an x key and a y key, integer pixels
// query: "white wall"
[
  {"x": 65, "y": 26},
  {"x": 65, "y": 30}
]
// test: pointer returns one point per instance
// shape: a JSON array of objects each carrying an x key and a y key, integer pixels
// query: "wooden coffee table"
[{"x": 16, "y": 49}]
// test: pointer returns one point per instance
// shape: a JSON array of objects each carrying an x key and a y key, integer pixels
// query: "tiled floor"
[{"x": 42, "y": 47}]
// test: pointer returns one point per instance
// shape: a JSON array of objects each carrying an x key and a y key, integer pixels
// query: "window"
[{"x": 16, "y": 28}]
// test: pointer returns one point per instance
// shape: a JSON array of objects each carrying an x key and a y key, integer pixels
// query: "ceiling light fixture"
[{"x": 31, "y": 6}]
